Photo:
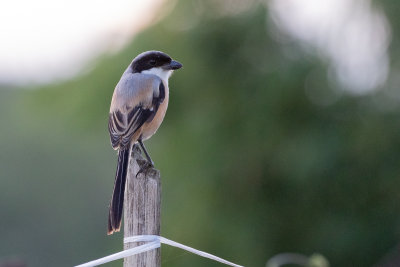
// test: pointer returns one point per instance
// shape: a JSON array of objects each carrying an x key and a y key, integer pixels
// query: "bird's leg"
[
  {"x": 149, "y": 164},
  {"x": 145, "y": 152}
]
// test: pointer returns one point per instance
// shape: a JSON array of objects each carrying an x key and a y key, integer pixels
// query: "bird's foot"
[{"x": 144, "y": 166}]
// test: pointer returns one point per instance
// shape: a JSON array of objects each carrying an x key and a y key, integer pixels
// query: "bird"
[{"x": 137, "y": 109}]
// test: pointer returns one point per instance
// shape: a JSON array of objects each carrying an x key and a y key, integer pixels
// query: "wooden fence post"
[{"x": 142, "y": 208}]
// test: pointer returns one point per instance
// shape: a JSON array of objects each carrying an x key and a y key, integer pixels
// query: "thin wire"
[
  {"x": 198, "y": 252},
  {"x": 154, "y": 242},
  {"x": 122, "y": 254}
]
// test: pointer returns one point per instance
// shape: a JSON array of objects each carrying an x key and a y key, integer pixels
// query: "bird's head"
[{"x": 156, "y": 63}]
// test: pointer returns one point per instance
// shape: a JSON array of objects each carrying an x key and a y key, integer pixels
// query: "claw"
[{"x": 144, "y": 167}]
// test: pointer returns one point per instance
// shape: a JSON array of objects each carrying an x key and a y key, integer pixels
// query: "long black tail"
[{"x": 117, "y": 200}]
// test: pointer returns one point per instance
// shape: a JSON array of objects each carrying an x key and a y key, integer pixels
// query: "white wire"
[
  {"x": 198, "y": 252},
  {"x": 122, "y": 254},
  {"x": 154, "y": 242}
]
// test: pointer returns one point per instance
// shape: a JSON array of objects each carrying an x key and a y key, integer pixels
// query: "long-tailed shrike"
[{"x": 137, "y": 109}]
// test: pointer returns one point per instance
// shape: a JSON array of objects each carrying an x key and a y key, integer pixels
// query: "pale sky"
[{"x": 43, "y": 40}]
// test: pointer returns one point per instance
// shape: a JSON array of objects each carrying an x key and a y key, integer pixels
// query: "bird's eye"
[{"x": 152, "y": 62}]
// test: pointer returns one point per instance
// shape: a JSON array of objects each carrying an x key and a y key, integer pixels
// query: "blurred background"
[{"x": 282, "y": 133}]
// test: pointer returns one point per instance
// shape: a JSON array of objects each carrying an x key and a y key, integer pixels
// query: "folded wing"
[{"x": 135, "y": 101}]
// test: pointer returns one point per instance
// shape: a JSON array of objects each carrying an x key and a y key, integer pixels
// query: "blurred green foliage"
[{"x": 251, "y": 166}]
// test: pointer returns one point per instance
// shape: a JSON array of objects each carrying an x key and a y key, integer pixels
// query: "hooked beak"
[{"x": 174, "y": 65}]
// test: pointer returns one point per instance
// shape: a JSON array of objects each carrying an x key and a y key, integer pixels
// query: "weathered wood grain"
[{"x": 142, "y": 208}]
